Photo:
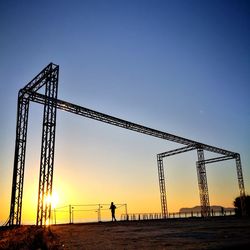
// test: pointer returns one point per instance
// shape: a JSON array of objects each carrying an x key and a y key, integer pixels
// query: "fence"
[
  {"x": 142, "y": 216},
  {"x": 198, "y": 214},
  {"x": 155, "y": 216},
  {"x": 85, "y": 213},
  {"x": 101, "y": 212}
]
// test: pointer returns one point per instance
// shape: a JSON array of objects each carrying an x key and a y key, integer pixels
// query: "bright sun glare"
[{"x": 52, "y": 199}]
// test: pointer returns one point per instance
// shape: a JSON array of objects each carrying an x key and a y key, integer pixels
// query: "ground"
[{"x": 189, "y": 233}]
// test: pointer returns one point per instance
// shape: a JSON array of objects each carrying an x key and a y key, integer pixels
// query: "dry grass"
[
  {"x": 28, "y": 237},
  {"x": 193, "y": 233}
]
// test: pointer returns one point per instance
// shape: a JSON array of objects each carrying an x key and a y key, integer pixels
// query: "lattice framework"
[{"x": 48, "y": 77}]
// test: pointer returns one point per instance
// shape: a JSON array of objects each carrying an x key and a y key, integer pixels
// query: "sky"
[{"x": 178, "y": 66}]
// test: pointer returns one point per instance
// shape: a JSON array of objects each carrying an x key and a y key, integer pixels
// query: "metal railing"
[{"x": 156, "y": 216}]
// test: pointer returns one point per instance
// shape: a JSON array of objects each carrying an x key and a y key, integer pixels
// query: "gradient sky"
[{"x": 178, "y": 66}]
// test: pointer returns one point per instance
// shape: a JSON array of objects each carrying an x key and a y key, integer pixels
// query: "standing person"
[{"x": 112, "y": 208}]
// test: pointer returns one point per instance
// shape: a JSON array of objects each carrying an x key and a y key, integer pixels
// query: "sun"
[{"x": 52, "y": 200}]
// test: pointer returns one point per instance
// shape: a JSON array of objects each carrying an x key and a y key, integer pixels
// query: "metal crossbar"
[{"x": 92, "y": 114}]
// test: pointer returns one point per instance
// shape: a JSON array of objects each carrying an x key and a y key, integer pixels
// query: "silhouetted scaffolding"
[
  {"x": 48, "y": 78},
  {"x": 202, "y": 177}
]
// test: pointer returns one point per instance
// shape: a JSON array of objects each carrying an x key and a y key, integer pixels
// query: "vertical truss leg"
[
  {"x": 241, "y": 184},
  {"x": 164, "y": 209},
  {"x": 202, "y": 182},
  {"x": 47, "y": 151},
  {"x": 19, "y": 161}
]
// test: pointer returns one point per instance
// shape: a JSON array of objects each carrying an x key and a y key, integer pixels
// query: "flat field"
[{"x": 189, "y": 233}]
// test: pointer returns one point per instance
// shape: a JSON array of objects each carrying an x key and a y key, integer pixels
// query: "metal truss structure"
[
  {"x": 162, "y": 185},
  {"x": 48, "y": 78},
  {"x": 202, "y": 177},
  {"x": 47, "y": 150},
  {"x": 163, "y": 193},
  {"x": 202, "y": 183}
]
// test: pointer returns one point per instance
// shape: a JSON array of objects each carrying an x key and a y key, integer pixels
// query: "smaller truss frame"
[
  {"x": 162, "y": 185},
  {"x": 202, "y": 177}
]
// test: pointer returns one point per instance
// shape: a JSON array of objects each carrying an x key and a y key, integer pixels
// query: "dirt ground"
[{"x": 191, "y": 233}]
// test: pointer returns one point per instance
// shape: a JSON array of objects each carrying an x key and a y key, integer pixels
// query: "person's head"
[{"x": 112, "y": 203}]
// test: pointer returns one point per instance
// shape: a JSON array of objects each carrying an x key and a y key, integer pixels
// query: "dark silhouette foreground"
[
  {"x": 223, "y": 232},
  {"x": 113, "y": 208}
]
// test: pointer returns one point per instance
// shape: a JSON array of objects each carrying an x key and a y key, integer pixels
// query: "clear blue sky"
[{"x": 179, "y": 66}]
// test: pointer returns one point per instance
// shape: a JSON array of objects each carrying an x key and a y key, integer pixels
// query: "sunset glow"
[{"x": 181, "y": 67}]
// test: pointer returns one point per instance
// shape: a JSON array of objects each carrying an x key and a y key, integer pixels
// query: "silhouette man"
[{"x": 112, "y": 208}]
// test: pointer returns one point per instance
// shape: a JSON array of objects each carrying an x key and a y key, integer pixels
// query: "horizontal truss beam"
[
  {"x": 76, "y": 109},
  {"x": 216, "y": 159},
  {"x": 176, "y": 151}
]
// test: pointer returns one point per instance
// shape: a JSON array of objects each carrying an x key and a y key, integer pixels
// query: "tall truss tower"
[{"x": 48, "y": 77}]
